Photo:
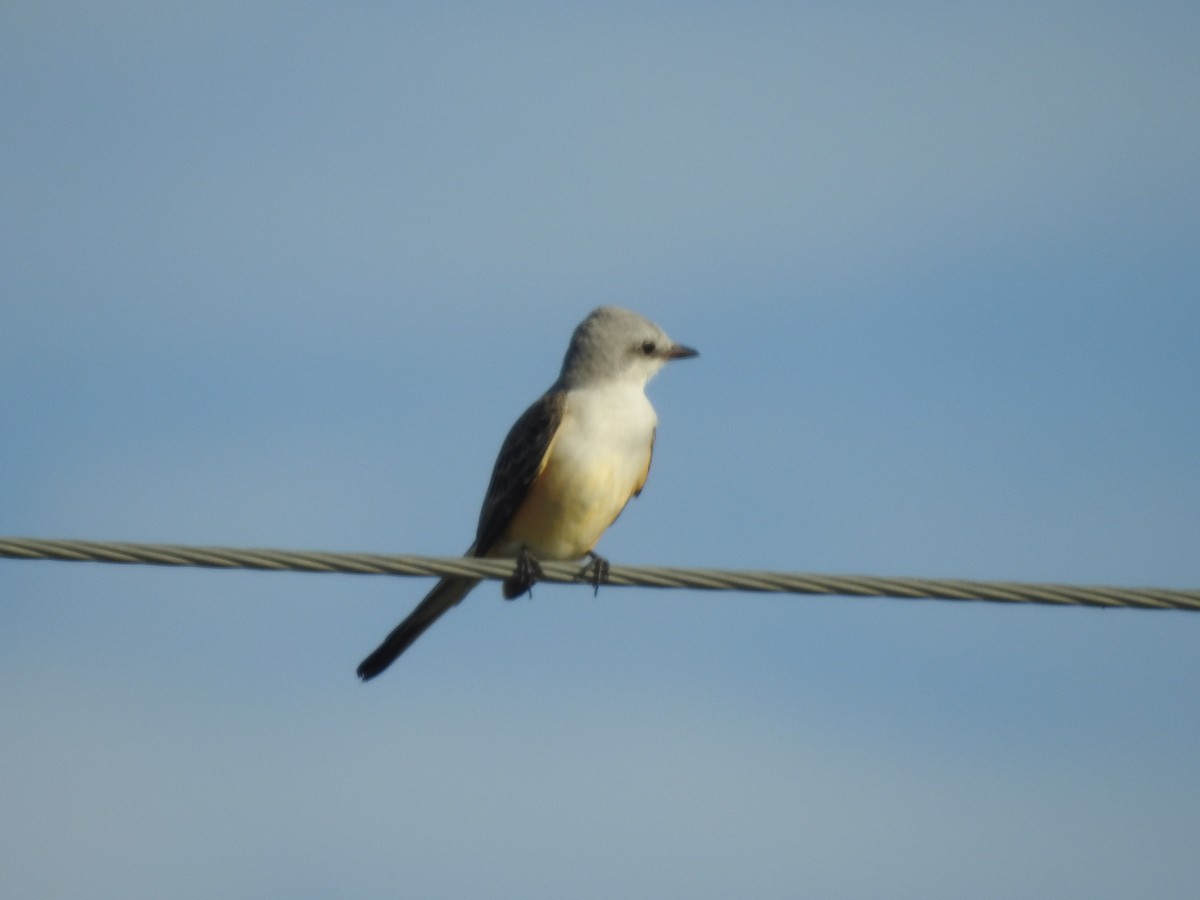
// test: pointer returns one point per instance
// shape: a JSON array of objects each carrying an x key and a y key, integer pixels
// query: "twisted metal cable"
[{"x": 643, "y": 576}]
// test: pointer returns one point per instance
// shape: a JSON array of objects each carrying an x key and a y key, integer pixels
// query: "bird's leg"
[
  {"x": 595, "y": 572},
  {"x": 527, "y": 572}
]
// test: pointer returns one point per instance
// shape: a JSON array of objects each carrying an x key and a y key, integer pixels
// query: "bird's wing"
[{"x": 522, "y": 457}]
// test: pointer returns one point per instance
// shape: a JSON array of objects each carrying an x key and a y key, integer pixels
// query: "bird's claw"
[
  {"x": 527, "y": 571},
  {"x": 595, "y": 572}
]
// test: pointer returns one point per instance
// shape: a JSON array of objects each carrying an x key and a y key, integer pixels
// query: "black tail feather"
[{"x": 445, "y": 594}]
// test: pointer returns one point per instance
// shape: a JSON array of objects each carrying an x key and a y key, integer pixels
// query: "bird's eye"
[{"x": 648, "y": 347}]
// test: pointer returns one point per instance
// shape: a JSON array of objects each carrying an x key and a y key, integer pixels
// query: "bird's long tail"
[{"x": 445, "y": 594}]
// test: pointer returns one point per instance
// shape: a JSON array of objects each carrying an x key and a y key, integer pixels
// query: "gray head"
[{"x": 614, "y": 344}]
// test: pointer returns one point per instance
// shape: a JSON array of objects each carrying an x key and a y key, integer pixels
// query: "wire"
[{"x": 641, "y": 576}]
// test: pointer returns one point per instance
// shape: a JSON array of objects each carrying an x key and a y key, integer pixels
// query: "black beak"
[{"x": 678, "y": 351}]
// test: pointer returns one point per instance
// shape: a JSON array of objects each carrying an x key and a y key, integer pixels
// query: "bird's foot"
[
  {"x": 595, "y": 572},
  {"x": 527, "y": 572}
]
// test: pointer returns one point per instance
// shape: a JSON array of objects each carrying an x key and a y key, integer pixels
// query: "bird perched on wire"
[{"x": 567, "y": 469}]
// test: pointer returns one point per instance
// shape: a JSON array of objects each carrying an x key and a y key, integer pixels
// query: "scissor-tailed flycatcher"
[{"x": 567, "y": 468}]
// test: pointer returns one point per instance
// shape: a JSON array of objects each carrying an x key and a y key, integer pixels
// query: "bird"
[{"x": 567, "y": 468}]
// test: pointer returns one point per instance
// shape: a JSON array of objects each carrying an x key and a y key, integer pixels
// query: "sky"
[{"x": 282, "y": 275}]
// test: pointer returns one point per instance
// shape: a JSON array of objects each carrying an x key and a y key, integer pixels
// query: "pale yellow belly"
[{"x": 569, "y": 507}]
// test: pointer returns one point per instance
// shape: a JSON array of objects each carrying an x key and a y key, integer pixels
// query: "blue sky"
[{"x": 283, "y": 275}]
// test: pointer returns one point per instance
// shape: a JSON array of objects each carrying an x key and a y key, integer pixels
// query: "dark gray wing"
[{"x": 522, "y": 456}]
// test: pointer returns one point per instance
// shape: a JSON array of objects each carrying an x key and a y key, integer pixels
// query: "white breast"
[{"x": 611, "y": 426}]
